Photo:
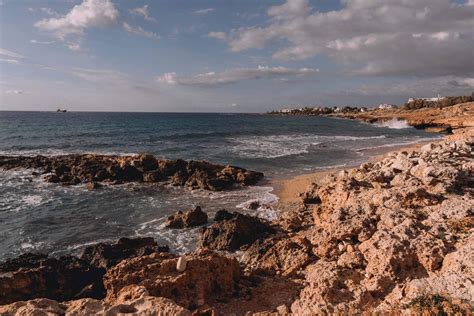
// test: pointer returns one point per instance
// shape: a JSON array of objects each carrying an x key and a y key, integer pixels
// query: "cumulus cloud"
[
  {"x": 88, "y": 14},
  {"x": 143, "y": 12},
  {"x": 383, "y": 37},
  {"x": 233, "y": 75},
  {"x": 204, "y": 11},
  {"x": 137, "y": 30}
]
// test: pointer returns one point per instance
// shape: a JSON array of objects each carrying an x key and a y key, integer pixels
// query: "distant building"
[
  {"x": 386, "y": 106},
  {"x": 285, "y": 111},
  {"x": 438, "y": 98},
  {"x": 363, "y": 109}
]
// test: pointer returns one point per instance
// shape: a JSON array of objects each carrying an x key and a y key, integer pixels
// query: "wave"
[
  {"x": 277, "y": 146},
  {"x": 394, "y": 124},
  {"x": 410, "y": 142}
]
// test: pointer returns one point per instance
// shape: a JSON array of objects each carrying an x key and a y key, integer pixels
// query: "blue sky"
[{"x": 231, "y": 56}]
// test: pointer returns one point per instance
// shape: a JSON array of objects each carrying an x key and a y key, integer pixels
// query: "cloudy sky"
[{"x": 233, "y": 55}]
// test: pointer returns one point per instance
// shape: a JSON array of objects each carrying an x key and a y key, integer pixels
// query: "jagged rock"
[
  {"x": 93, "y": 185},
  {"x": 33, "y": 275},
  {"x": 133, "y": 300},
  {"x": 222, "y": 215},
  {"x": 105, "y": 255},
  {"x": 281, "y": 254},
  {"x": 231, "y": 234},
  {"x": 87, "y": 168},
  {"x": 208, "y": 278},
  {"x": 191, "y": 218}
]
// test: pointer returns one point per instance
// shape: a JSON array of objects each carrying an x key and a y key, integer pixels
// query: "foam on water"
[{"x": 395, "y": 124}]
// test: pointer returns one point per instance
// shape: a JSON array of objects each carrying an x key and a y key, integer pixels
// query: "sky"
[{"x": 231, "y": 55}]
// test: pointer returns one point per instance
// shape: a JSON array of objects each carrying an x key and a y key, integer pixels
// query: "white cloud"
[
  {"x": 383, "y": 37},
  {"x": 204, "y": 11},
  {"x": 33, "y": 41},
  {"x": 9, "y": 53},
  {"x": 103, "y": 76},
  {"x": 219, "y": 35},
  {"x": 143, "y": 11},
  {"x": 9, "y": 61},
  {"x": 14, "y": 92},
  {"x": 49, "y": 11},
  {"x": 233, "y": 75},
  {"x": 90, "y": 13},
  {"x": 137, "y": 30}
]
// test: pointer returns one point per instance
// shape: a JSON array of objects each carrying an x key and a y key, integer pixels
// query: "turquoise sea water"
[{"x": 38, "y": 216}]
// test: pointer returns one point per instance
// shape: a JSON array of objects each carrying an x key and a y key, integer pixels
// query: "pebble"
[{"x": 181, "y": 264}]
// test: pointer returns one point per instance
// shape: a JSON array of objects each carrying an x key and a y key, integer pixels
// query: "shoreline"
[{"x": 288, "y": 189}]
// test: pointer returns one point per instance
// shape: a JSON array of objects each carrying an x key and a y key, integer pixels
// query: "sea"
[{"x": 42, "y": 217}]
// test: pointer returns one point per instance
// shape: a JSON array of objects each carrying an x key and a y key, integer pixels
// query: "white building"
[
  {"x": 438, "y": 98},
  {"x": 386, "y": 106},
  {"x": 285, "y": 111}
]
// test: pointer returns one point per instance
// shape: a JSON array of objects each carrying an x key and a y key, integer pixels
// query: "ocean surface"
[{"x": 56, "y": 219}]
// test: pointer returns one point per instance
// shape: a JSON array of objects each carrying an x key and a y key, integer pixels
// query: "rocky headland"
[
  {"x": 395, "y": 235},
  {"x": 436, "y": 119},
  {"x": 93, "y": 169}
]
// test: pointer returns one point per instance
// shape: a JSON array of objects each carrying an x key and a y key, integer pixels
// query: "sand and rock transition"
[{"x": 391, "y": 236}]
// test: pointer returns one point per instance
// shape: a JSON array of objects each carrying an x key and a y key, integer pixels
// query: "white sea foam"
[
  {"x": 395, "y": 124},
  {"x": 276, "y": 146}
]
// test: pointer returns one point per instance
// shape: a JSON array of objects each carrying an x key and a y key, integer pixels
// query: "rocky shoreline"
[
  {"x": 391, "y": 236},
  {"x": 92, "y": 169},
  {"x": 443, "y": 120}
]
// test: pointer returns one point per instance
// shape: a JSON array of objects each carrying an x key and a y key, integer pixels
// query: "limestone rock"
[{"x": 190, "y": 218}]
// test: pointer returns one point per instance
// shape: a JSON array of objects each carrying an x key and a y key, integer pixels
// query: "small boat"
[{"x": 61, "y": 110}]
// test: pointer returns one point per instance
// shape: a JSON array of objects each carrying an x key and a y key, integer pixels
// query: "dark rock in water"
[
  {"x": 191, "y": 218},
  {"x": 231, "y": 234},
  {"x": 35, "y": 275},
  {"x": 254, "y": 205},
  {"x": 104, "y": 255},
  {"x": 93, "y": 185},
  {"x": 223, "y": 215},
  {"x": 52, "y": 178},
  {"x": 75, "y": 169}
]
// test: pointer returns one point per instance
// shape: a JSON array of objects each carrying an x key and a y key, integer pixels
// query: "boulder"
[
  {"x": 208, "y": 278},
  {"x": 105, "y": 255},
  {"x": 33, "y": 275},
  {"x": 190, "y": 218},
  {"x": 223, "y": 215},
  {"x": 233, "y": 233}
]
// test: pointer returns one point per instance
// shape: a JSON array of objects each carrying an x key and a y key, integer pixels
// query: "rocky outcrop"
[
  {"x": 392, "y": 231},
  {"x": 437, "y": 119},
  {"x": 133, "y": 300},
  {"x": 208, "y": 278},
  {"x": 281, "y": 255},
  {"x": 33, "y": 275},
  {"x": 233, "y": 232},
  {"x": 186, "y": 219},
  {"x": 105, "y": 255},
  {"x": 93, "y": 169}
]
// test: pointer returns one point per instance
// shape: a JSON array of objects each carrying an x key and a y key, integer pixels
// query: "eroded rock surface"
[
  {"x": 208, "y": 278},
  {"x": 34, "y": 275},
  {"x": 233, "y": 232},
  {"x": 105, "y": 255},
  {"x": 92, "y": 169},
  {"x": 391, "y": 231}
]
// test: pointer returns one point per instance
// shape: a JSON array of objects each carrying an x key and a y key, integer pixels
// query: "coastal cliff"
[
  {"x": 458, "y": 116},
  {"x": 393, "y": 235}
]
